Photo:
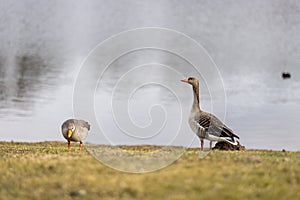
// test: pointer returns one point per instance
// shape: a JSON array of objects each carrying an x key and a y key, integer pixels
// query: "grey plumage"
[
  {"x": 206, "y": 125},
  {"x": 78, "y": 128},
  {"x": 211, "y": 125}
]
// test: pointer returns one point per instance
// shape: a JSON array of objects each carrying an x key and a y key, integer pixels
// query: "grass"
[{"x": 48, "y": 171}]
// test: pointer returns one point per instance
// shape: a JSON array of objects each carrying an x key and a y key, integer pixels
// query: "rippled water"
[{"x": 43, "y": 45}]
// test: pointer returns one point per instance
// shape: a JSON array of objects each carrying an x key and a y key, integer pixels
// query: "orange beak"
[
  {"x": 70, "y": 133},
  {"x": 186, "y": 80}
]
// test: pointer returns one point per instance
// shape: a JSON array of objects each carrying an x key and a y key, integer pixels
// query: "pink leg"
[
  {"x": 201, "y": 145},
  {"x": 69, "y": 145},
  {"x": 80, "y": 146}
]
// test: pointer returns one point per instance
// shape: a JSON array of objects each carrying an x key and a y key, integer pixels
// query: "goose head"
[
  {"x": 191, "y": 80},
  {"x": 71, "y": 129}
]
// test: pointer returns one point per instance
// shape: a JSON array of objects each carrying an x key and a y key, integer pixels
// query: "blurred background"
[{"x": 44, "y": 43}]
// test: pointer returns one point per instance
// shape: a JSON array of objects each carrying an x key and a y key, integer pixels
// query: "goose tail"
[{"x": 234, "y": 142}]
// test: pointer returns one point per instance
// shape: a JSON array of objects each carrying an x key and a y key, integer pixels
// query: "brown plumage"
[{"x": 206, "y": 125}]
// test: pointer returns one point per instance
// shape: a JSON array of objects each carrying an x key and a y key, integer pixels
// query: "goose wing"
[
  {"x": 213, "y": 125},
  {"x": 83, "y": 124}
]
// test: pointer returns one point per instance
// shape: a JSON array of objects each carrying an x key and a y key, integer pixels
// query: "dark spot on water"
[{"x": 286, "y": 75}]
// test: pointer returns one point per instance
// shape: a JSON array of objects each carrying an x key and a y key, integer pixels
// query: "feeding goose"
[
  {"x": 206, "y": 125},
  {"x": 75, "y": 130}
]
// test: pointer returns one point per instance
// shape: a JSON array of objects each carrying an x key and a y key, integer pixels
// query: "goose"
[
  {"x": 75, "y": 130},
  {"x": 206, "y": 125}
]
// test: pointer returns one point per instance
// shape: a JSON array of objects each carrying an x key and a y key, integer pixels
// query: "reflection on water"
[
  {"x": 43, "y": 45},
  {"x": 24, "y": 83},
  {"x": 2, "y": 85}
]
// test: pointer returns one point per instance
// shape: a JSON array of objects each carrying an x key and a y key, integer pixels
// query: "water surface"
[{"x": 43, "y": 45}]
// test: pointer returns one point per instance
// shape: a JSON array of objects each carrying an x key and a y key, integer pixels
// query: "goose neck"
[{"x": 196, "y": 98}]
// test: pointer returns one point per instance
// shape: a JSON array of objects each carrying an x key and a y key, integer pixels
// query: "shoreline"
[{"x": 56, "y": 142}]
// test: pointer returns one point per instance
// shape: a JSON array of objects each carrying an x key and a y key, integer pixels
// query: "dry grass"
[{"x": 47, "y": 171}]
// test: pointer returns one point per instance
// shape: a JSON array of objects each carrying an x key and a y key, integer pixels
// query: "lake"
[{"x": 101, "y": 61}]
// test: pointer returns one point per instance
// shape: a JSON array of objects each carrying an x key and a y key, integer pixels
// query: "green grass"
[{"x": 48, "y": 171}]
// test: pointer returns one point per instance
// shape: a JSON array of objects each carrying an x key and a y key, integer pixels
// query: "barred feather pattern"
[{"x": 206, "y": 125}]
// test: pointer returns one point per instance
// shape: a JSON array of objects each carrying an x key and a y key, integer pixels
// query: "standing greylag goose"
[
  {"x": 75, "y": 130},
  {"x": 206, "y": 125}
]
